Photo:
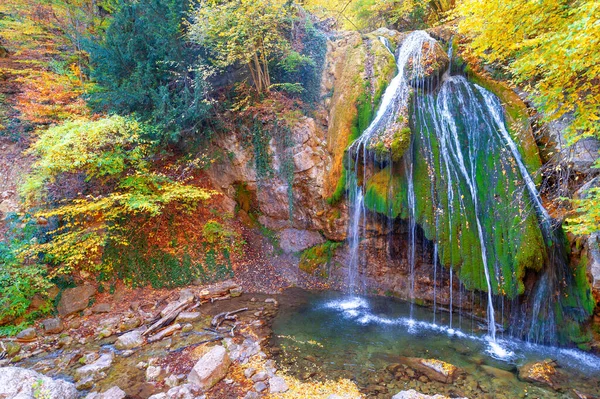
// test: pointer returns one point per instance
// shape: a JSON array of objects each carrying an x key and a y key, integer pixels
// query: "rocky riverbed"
[{"x": 217, "y": 342}]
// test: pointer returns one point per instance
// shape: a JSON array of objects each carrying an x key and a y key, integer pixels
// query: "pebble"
[
  {"x": 260, "y": 386},
  {"x": 152, "y": 373},
  {"x": 141, "y": 365},
  {"x": 249, "y": 372},
  {"x": 261, "y": 376}
]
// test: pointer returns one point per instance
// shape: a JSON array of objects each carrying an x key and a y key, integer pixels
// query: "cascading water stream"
[
  {"x": 394, "y": 99},
  {"x": 460, "y": 164}
]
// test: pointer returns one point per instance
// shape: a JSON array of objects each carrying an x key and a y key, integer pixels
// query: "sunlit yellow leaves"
[
  {"x": 551, "y": 43},
  {"x": 114, "y": 158}
]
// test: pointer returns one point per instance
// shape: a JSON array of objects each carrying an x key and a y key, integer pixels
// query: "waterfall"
[
  {"x": 394, "y": 99},
  {"x": 357, "y": 213},
  {"x": 462, "y": 186}
]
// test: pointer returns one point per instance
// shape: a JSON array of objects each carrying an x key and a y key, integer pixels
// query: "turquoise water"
[{"x": 332, "y": 335}]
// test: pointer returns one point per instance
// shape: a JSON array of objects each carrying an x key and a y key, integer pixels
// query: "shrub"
[{"x": 111, "y": 161}]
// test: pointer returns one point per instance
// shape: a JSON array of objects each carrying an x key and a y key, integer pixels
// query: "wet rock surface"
[{"x": 543, "y": 373}]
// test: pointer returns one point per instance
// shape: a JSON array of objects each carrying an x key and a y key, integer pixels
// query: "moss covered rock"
[
  {"x": 425, "y": 70},
  {"x": 517, "y": 119}
]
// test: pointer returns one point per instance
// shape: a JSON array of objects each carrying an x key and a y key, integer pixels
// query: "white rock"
[
  {"x": 130, "y": 340},
  {"x": 277, "y": 385},
  {"x": 112, "y": 393},
  {"x": 412, "y": 394},
  {"x": 152, "y": 373},
  {"x": 211, "y": 368},
  {"x": 94, "y": 369},
  {"x": 17, "y": 382}
]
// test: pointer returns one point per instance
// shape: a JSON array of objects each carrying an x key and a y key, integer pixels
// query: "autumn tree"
[
  {"x": 367, "y": 15},
  {"x": 551, "y": 48},
  {"x": 249, "y": 32},
  {"x": 90, "y": 178}
]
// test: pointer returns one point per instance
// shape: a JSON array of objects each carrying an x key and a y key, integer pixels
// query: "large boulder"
[
  {"x": 211, "y": 368},
  {"x": 425, "y": 68},
  {"x": 75, "y": 299},
  {"x": 542, "y": 373},
  {"x": 20, "y": 383},
  {"x": 434, "y": 369}
]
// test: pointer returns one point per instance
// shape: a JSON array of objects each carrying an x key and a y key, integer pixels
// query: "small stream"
[{"x": 333, "y": 335}]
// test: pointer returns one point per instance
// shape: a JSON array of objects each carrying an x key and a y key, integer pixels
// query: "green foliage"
[
  {"x": 219, "y": 236},
  {"x": 111, "y": 156},
  {"x": 246, "y": 32},
  {"x": 144, "y": 66},
  {"x": 368, "y": 15},
  {"x": 294, "y": 61},
  {"x": 291, "y": 88},
  {"x": 340, "y": 189},
  {"x": 587, "y": 213},
  {"x": 20, "y": 282},
  {"x": 304, "y": 67}
]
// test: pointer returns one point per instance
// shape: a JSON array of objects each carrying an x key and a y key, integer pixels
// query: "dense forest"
[{"x": 150, "y": 145}]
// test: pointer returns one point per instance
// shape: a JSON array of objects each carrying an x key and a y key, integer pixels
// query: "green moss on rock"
[
  {"x": 517, "y": 119},
  {"x": 312, "y": 259},
  {"x": 385, "y": 194}
]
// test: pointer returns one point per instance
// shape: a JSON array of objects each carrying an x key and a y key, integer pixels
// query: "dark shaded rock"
[
  {"x": 27, "y": 335},
  {"x": 75, "y": 299}
]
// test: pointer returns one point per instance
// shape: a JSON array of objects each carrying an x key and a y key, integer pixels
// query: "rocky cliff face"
[
  {"x": 312, "y": 218},
  {"x": 357, "y": 70}
]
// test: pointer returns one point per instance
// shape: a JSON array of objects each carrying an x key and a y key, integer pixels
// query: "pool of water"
[{"x": 332, "y": 335}]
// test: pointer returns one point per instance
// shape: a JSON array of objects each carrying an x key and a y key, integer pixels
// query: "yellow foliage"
[
  {"x": 113, "y": 157},
  {"x": 550, "y": 46}
]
